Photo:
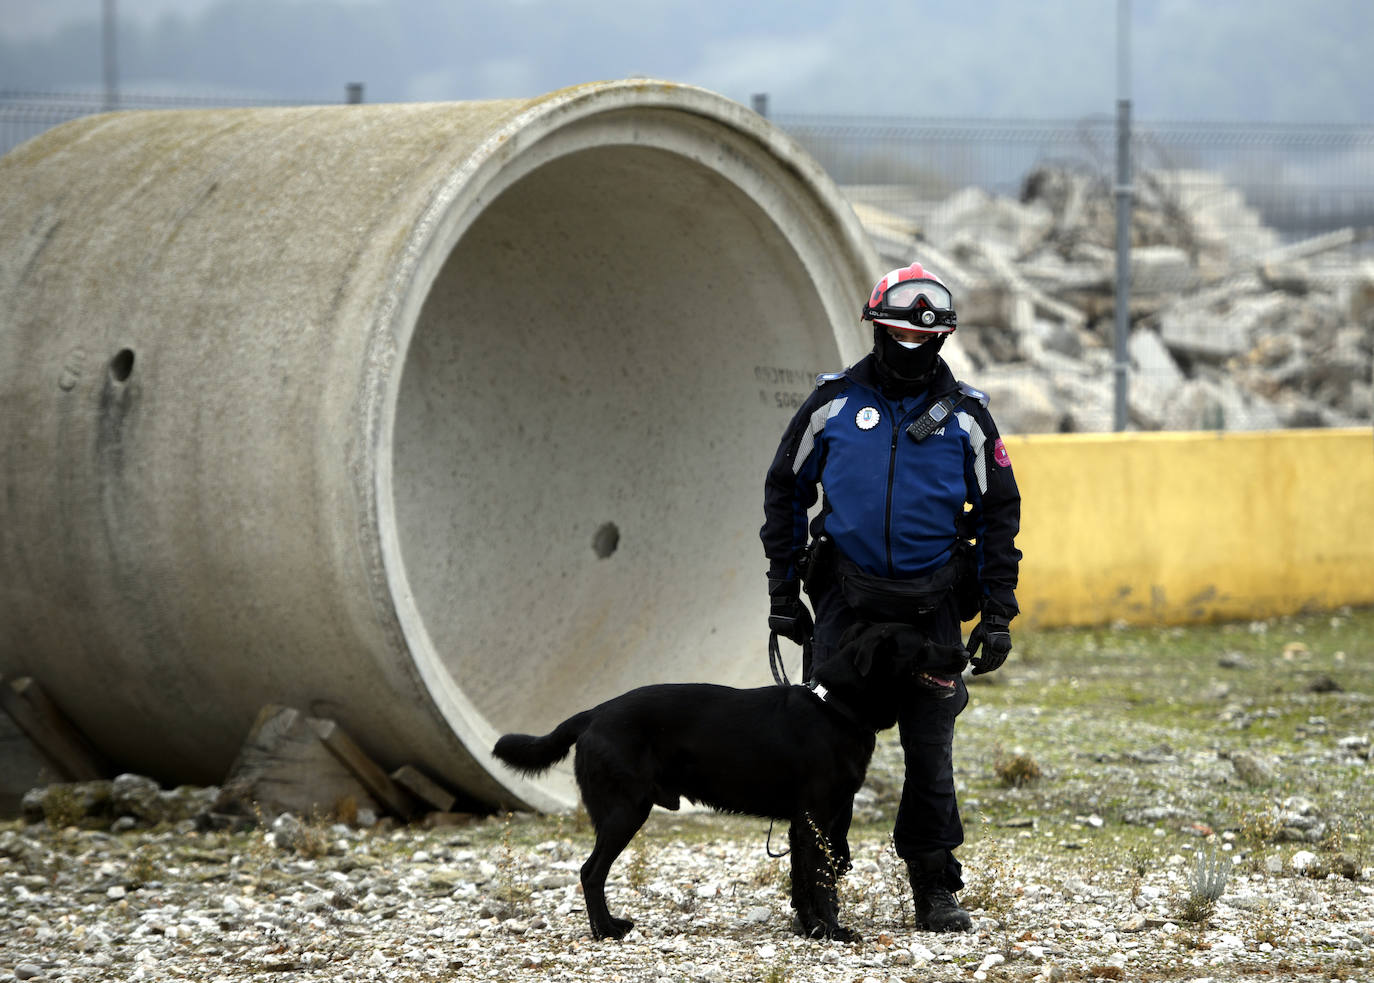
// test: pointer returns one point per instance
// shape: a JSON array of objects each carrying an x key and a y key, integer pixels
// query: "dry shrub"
[{"x": 1016, "y": 770}]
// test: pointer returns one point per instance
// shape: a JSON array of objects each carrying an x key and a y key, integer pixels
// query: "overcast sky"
[{"x": 1229, "y": 60}]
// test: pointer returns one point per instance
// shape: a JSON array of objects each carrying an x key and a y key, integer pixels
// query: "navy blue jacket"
[{"x": 891, "y": 504}]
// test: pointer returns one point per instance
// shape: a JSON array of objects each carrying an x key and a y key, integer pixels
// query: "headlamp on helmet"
[{"x": 913, "y": 299}]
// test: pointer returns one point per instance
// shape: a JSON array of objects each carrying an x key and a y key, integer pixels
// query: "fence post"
[
  {"x": 1123, "y": 260},
  {"x": 109, "y": 52},
  {"x": 1122, "y": 328}
]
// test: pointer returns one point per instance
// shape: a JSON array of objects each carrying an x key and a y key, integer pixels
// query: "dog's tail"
[{"x": 531, "y": 755}]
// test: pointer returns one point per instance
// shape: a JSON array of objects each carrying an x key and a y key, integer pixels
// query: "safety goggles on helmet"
[{"x": 924, "y": 304}]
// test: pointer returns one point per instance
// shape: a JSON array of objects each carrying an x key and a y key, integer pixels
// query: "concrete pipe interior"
[
  {"x": 575, "y": 435},
  {"x": 595, "y": 327}
]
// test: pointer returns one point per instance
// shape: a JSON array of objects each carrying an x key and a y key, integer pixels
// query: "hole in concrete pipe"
[
  {"x": 122, "y": 365},
  {"x": 605, "y": 541}
]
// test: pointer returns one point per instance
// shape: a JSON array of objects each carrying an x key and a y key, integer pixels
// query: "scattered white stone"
[
  {"x": 921, "y": 954},
  {"x": 1302, "y": 861},
  {"x": 990, "y": 960},
  {"x": 1133, "y": 923}
]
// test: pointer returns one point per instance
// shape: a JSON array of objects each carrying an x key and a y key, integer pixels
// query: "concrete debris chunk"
[
  {"x": 1231, "y": 328},
  {"x": 283, "y": 766}
]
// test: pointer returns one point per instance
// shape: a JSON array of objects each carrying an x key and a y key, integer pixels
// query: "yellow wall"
[{"x": 1169, "y": 528}]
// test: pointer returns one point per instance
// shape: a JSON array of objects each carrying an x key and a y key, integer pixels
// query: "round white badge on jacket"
[{"x": 867, "y": 418}]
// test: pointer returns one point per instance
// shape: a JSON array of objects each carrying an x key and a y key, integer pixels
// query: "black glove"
[
  {"x": 993, "y": 635},
  {"x": 788, "y": 616}
]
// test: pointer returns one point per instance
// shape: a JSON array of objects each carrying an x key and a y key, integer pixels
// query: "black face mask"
[{"x": 905, "y": 368}]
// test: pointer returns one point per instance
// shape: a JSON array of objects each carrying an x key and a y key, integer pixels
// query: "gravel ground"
[
  {"x": 1089, "y": 862},
  {"x": 481, "y": 902}
]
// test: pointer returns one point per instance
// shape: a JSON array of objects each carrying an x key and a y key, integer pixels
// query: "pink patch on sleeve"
[{"x": 999, "y": 452}]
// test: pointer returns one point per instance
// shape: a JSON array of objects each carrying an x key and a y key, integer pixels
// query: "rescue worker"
[{"x": 899, "y": 448}]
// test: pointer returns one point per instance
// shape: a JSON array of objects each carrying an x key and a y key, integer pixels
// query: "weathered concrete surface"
[{"x": 436, "y": 420}]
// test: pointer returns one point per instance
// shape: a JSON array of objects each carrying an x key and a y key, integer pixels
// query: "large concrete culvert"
[{"x": 438, "y": 420}]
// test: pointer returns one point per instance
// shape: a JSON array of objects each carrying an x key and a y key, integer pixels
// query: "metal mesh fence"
[
  {"x": 1252, "y": 272},
  {"x": 1252, "y": 262},
  {"x": 24, "y": 115},
  {"x": 1300, "y": 179}
]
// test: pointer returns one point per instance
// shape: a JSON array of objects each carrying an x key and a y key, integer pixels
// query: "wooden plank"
[
  {"x": 51, "y": 731},
  {"x": 23, "y": 766},
  {"x": 396, "y": 799},
  {"x": 423, "y": 788},
  {"x": 283, "y": 767}
]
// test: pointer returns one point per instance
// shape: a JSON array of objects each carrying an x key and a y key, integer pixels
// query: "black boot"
[{"x": 936, "y": 909}]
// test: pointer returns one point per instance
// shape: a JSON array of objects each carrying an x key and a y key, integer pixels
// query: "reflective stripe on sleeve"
[
  {"x": 977, "y": 439},
  {"x": 813, "y": 429}
]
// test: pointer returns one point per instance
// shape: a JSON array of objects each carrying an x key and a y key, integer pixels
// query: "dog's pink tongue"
[{"x": 944, "y": 682}]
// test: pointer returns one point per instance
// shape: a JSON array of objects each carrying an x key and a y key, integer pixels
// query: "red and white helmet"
[{"x": 914, "y": 299}]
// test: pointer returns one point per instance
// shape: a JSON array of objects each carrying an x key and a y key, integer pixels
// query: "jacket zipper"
[
  {"x": 887, "y": 519},
  {"x": 891, "y": 481}
]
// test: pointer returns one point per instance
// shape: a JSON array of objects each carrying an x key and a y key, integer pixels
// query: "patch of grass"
[
  {"x": 63, "y": 807},
  {"x": 891, "y": 904},
  {"x": 639, "y": 867},
  {"x": 1260, "y": 826},
  {"x": 772, "y": 872},
  {"x": 144, "y": 865},
  {"x": 990, "y": 878},
  {"x": 897, "y": 888},
  {"x": 510, "y": 886},
  {"x": 779, "y": 971},
  {"x": 313, "y": 842},
  {"x": 1015, "y": 770},
  {"x": 1268, "y": 926},
  {"x": 1114, "y": 715}
]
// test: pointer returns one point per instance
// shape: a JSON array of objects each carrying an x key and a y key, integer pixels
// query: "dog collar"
[{"x": 824, "y": 696}]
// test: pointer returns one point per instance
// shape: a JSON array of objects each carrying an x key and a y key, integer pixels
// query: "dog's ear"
[
  {"x": 852, "y": 633},
  {"x": 868, "y": 645},
  {"x": 863, "y": 656}
]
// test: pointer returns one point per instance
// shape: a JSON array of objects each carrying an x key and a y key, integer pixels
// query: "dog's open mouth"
[{"x": 937, "y": 684}]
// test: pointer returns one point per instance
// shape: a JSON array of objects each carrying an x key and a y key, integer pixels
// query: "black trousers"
[{"x": 928, "y": 817}]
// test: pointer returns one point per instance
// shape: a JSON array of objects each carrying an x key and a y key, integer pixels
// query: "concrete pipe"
[{"x": 436, "y": 420}]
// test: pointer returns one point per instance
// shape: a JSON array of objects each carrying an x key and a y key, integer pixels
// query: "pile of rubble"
[
  {"x": 289, "y": 762},
  {"x": 1229, "y": 328}
]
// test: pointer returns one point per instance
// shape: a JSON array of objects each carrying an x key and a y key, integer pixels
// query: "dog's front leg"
[
  {"x": 814, "y": 876},
  {"x": 803, "y": 878},
  {"x": 839, "y": 838}
]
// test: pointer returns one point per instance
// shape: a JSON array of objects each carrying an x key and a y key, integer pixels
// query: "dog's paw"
[
  {"x": 622, "y": 927},
  {"x": 616, "y": 928},
  {"x": 839, "y": 933},
  {"x": 822, "y": 931}
]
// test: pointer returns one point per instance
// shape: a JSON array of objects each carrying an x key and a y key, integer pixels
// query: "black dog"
[{"x": 783, "y": 752}]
